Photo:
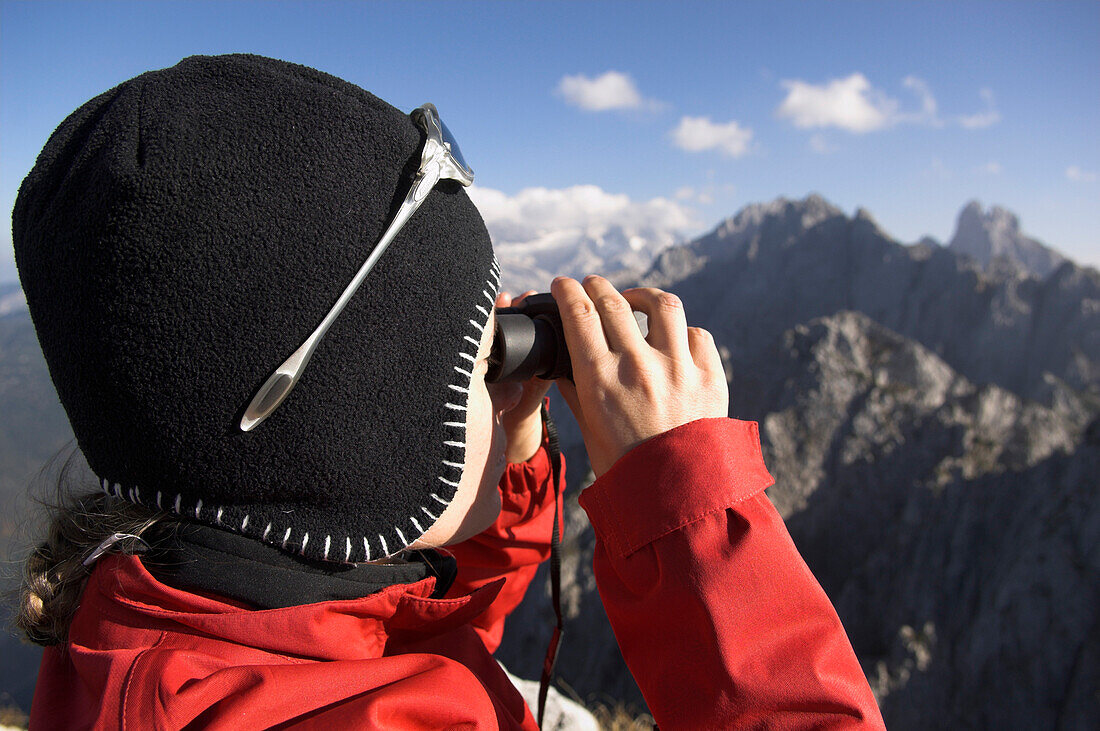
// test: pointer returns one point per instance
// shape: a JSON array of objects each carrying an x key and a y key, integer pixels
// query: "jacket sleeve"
[
  {"x": 513, "y": 547},
  {"x": 718, "y": 617}
]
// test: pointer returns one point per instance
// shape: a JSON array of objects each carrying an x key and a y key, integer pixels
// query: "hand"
[
  {"x": 523, "y": 422},
  {"x": 629, "y": 388}
]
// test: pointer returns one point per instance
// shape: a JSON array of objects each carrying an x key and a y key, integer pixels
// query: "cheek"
[
  {"x": 505, "y": 396},
  {"x": 479, "y": 425}
]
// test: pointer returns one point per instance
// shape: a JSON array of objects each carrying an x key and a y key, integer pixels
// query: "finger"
[
  {"x": 616, "y": 317},
  {"x": 519, "y": 300},
  {"x": 581, "y": 323},
  {"x": 503, "y": 299},
  {"x": 666, "y": 319},
  {"x": 704, "y": 351}
]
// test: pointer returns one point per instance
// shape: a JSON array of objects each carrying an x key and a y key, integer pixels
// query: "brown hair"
[{"x": 79, "y": 521}]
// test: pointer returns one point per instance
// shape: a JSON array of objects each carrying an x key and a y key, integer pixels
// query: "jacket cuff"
[{"x": 674, "y": 479}]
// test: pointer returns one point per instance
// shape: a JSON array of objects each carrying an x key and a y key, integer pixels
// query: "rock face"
[
  {"x": 994, "y": 239},
  {"x": 806, "y": 259},
  {"x": 933, "y": 430}
]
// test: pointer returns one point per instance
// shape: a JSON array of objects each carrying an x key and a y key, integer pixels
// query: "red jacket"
[{"x": 717, "y": 616}]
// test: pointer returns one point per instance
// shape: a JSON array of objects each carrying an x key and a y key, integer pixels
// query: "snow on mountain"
[{"x": 540, "y": 233}]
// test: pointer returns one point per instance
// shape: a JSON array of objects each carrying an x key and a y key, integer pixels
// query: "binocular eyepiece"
[{"x": 529, "y": 342}]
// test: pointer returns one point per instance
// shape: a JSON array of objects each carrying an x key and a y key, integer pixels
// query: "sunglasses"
[{"x": 439, "y": 160}]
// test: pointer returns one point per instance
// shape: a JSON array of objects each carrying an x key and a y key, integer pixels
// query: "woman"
[{"x": 266, "y": 303}]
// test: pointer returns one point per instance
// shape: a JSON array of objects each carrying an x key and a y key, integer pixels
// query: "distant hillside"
[{"x": 33, "y": 428}]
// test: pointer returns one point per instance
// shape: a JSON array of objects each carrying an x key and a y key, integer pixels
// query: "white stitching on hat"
[
  {"x": 118, "y": 490},
  {"x": 137, "y": 494},
  {"x": 218, "y": 517},
  {"x": 479, "y": 328},
  {"x": 366, "y": 547},
  {"x": 417, "y": 525},
  {"x": 132, "y": 498},
  {"x": 328, "y": 543},
  {"x": 176, "y": 510},
  {"x": 456, "y": 465},
  {"x": 385, "y": 548},
  {"x": 158, "y": 501},
  {"x": 305, "y": 540},
  {"x": 482, "y": 310},
  {"x": 456, "y": 407},
  {"x": 468, "y": 357},
  {"x": 198, "y": 507},
  {"x": 286, "y": 537},
  {"x": 347, "y": 553},
  {"x": 428, "y": 513},
  {"x": 266, "y": 531},
  {"x": 456, "y": 444},
  {"x": 445, "y": 481},
  {"x": 401, "y": 536},
  {"x": 458, "y": 424},
  {"x": 460, "y": 389},
  {"x": 436, "y": 497},
  {"x": 488, "y": 297},
  {"x": 244, "y": 523},
  {"x": 465, "y": 373},
  {"x": 471, "y": 340}
]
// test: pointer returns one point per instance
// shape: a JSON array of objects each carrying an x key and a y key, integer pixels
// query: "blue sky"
[{"x": 688, "y": 110}]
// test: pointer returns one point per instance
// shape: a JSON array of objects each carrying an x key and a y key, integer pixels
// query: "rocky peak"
[{"x": 989, "y": 236}]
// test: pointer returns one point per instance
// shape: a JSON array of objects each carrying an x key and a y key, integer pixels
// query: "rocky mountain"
[
  {"x": 946, "y": 501},
  {"x": 775, "y": 266},
  {"x": 993, "y": 239}
]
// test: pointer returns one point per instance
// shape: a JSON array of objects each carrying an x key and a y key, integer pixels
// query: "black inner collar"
[{"x": 207, "y": 559}]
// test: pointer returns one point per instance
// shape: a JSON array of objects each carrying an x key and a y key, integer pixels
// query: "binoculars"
[{"x": 529, "y": 342}]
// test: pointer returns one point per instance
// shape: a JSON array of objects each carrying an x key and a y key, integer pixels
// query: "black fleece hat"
[{"x": 183, "y": 233}]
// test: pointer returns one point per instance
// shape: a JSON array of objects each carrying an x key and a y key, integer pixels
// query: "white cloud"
[
  {"x": 850, "y": 103},
  {"x": 696, "y": 134},
  {"x": 853, "y": 104},
  {"x": 1078, "y": 175},
  {"x": 939, "y": 169},
  {"x": 609, "y": 90},
  {"x": 541, "y": 232},
  {"x": 820, "y": 145},
  {"x": 535, "y": 213},
  {"x": 987, "y": 118},
  {"x": 929, "y": 109}
]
